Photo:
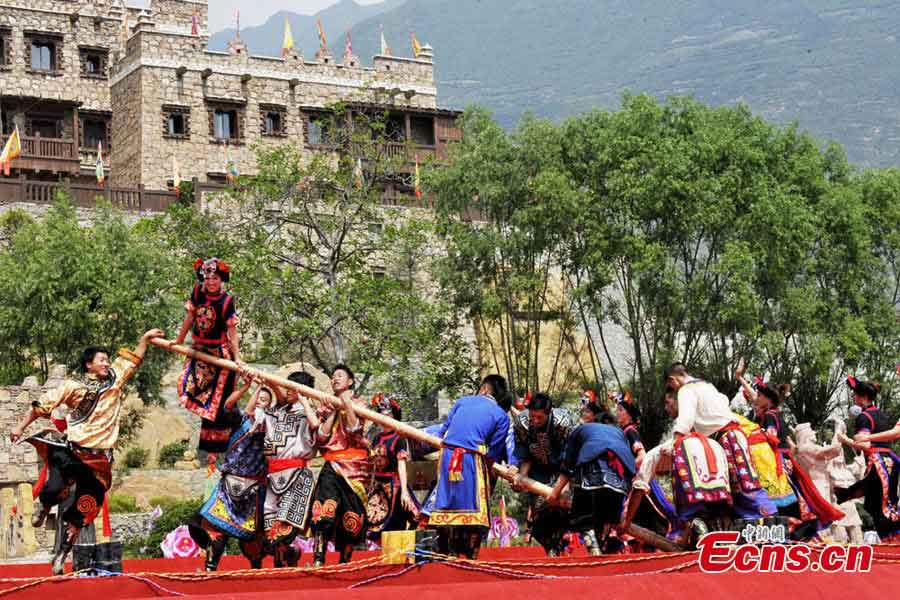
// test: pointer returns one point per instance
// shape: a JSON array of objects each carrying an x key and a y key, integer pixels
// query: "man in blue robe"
[{"x": 476, "y": 434}]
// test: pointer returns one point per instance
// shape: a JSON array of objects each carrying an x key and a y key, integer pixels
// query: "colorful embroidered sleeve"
[
  {"x": 230, "y": 316},
  {"x": 125, "y": 366},
  {"x": 68, "y": 394},
  {"x": 403, "y": 449}
]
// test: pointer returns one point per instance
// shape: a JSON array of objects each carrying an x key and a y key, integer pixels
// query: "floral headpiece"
[
  {"x": 626, "y": 401},
  {"x": 381, "y": 403},
  {"x": 861, "y": 387},
  {"x": 211, "y": 266}
]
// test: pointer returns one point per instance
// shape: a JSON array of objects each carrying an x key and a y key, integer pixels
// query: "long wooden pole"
[{"x": 403, "y": 429}]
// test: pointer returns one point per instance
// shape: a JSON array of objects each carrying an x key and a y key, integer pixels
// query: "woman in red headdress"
[
  {"x": 391, "y": 505},
  {"x": 212, "y": 320}
]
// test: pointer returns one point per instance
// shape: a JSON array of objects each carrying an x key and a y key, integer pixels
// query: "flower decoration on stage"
[
  {"x": 211, "y": 266},
  {"x": 503, "y": 528},
  {"x": 180, "y": 544}
]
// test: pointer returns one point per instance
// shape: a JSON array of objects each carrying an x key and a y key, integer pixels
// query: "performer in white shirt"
[{"x": 702, "y": 408}]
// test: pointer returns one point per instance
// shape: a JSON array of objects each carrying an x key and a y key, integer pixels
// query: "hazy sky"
[{"x": 254, "y": 12}]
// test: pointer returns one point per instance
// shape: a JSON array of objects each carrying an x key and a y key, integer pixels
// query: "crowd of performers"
[{"x": 724, "y": 467}]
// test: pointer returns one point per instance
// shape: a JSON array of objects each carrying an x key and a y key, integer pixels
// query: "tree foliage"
[
  {"x": 692, "y": 233},
  {"x": 65, "y": 286},
  {"x": 327, "y": 273}
]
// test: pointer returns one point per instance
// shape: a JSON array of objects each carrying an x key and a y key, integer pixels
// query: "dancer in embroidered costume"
[
  {"x": 702, "y": 408},
  {"x": 290, "y": 427},
  {"x": 699, "y": 469},
  {"x": 212, "y": 320},
  {"x": 475, "y": 435},
  {"x": 600, "y": 466},
  {"x": 541, "y": 433},
  {"x": 234, "y": 509},
  {"x": 655, "y": 511},
  {"x": 339, "y": 509},
  {"x": 84, "y": 457},
  {"x": 392, "y": 506},
  {"x": 766, "y": 427},
  {"x": 810, "y": 512},
  {"x": 879, "y": 485}
]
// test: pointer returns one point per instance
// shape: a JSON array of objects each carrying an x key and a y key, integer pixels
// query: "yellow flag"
[
  {"x": 288, "y": 44},
  {"x": 11, "y": 151},
  {"x": 323, "y": 44},
  {"x": 417, "y": 49}
]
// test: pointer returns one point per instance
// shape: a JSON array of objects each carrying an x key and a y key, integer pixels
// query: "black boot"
[
  {"x": 58, "y": 565},
  {"x": 214, "y": 553},
  {"x": 346, "y": 553},
  {"x": 40, "y": 515},
  {"x": 292, "y": 556},
  {"x": 319, "y": 549}
]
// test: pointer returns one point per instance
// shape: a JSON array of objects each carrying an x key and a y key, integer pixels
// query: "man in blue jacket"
[{"x": 476, "y": 434}]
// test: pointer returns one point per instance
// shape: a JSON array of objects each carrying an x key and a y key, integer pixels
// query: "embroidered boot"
[
  {"x": 319, "y": 549},
  {"x": 58, "y": 565},
  {"x": 214, "y": 553}
]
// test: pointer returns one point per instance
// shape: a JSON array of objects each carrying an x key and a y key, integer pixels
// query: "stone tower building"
[{"x": 141, "y": 83}]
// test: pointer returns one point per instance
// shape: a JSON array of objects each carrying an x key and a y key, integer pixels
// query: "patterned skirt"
[
  {"x": 205, "y": 397},
  {"x": 338, "y": 509}
]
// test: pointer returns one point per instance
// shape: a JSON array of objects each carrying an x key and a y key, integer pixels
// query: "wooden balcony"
[
  {"x": 138, "y": 199},
  {"x": 51, "y": 155}
]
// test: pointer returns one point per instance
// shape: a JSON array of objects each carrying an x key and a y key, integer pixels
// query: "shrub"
[
  {"x": 136, "y": 458},
  {"x": 148, "y": 547},
  {"x": 172, "y": 453},
  {"x": 122, "y": 503},
  {"x": 166, "y": 503}
]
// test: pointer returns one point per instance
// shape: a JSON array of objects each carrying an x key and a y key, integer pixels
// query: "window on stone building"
[
  {"x": 318, "y": 129},
  {"x": 422, "y": 130},
  {"x": 46, "y": 128},
  {"x": 42, "y": 56},
  {"x": 225, "y": 125},
  {"x": 395, "y": 128},
  {"x": 5, "y": 47},
  {"x": 273, "y": 123},
  {"x": 175, "y": 125},
  {"x": 93, "y": 133},
  {"x": 176, "y": 121},
  {"x": 273, "y": 120},
  {"x": 93, "y": 62}
]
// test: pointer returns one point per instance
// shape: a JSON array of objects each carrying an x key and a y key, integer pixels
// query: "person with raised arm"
[{"x": 92, "y": 402}]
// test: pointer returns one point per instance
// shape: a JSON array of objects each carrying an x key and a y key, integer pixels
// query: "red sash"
[{"x": 283, "y": 464}]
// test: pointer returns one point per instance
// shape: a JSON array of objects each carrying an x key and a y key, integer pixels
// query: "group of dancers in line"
[{"x": 724, "y": 467}]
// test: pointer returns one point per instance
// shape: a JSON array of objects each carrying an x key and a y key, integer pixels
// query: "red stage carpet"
[{"x": 519, "y": 573}]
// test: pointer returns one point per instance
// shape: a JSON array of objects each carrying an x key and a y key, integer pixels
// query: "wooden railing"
[
  {"x": 138, "y": 199},
  {"x": 394, "y": 150},
  {"x": 41, "y": 147}
]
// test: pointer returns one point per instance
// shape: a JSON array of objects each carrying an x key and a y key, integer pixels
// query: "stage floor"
[{"x": 519, "y": 573}]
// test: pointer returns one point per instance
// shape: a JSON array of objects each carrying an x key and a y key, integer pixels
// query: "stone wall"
[{"x": 165, "y": 69}]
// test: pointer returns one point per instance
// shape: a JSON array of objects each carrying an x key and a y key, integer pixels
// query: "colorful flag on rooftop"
[{"x": 288, "y": 43}]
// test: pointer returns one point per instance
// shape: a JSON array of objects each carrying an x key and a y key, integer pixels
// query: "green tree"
[
  {"x": 64, "y": 286},
  {"x": 324, "y": 271},
  {"x": 707, "y": 235},
  {"x": 500, "y": 266}
]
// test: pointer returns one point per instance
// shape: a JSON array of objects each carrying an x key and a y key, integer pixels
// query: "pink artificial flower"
[{"x": 180, "y": 544}]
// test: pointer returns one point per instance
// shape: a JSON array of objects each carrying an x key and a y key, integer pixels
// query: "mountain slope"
[
  {"x": 831, "y": 65},
  {"x": 266, "y": 39}
]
